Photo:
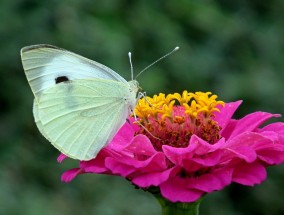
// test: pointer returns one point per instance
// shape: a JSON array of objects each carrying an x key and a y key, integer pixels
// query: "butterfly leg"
[
  {"x": 137, "y": 121},
  {"x": 143, "y": 95}
]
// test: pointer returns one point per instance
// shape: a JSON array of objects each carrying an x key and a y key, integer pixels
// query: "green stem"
[{"x": 178, "y": 208}]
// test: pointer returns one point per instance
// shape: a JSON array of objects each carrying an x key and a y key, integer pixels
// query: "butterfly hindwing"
[{"x": 82, "y": 116}]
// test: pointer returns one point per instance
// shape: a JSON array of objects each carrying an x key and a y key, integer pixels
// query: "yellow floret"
[{"x": 198, "y": 104}]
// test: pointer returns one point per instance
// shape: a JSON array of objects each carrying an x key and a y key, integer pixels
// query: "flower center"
[{"x": 166, "y": 123}]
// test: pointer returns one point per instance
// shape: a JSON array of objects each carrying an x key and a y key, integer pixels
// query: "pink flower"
[{"x": 190, "y": 149}]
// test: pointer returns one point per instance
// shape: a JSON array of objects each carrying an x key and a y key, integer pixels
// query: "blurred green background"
[{"x": 232, "y": 48}]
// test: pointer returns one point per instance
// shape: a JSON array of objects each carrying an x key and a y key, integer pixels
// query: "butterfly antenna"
[
  {"x": 166, "y": 55},
  {"x": 131, "y": 66}
]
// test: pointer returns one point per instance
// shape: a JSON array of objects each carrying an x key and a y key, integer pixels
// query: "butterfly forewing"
[{"x": 43, "y": 64}]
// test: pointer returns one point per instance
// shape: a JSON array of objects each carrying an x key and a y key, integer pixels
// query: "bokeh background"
[{"x": 232, "y": 48}]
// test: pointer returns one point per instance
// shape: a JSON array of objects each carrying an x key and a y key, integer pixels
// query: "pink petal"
[
  {"x": 61, "y": 157},
  {"x": 215, "y": 180},
  {"x": 97, "y": 165},
  {"x": 196, "y": 148},
  {"x": 251, "y": 122},
  {"x": 271, "y": 135},
  {"x": 118, "y": 168},
  {"x": 251, "y": 139},
  {"x": 226, "y": 113},
  {"x": 155, "y": 163},
  {"x": 243, "y": 146},
  {"x": 141, "y": 145},
  {"x": 271, "y": 157},
  {"x": 277, "y": 127},
  {"x": 250, "y": 145},
  {"x": 227, "y": 131},
  {"x": 192, "y": 166},
  {"x": 154, "y": 179},
  {"x": 201, "y": 146},
  {"x": 93, "y": 167},
  {"x": 249, "y": 174},
  {"x": 175, "y": 190},
  {"x": 210, "y": 159},
  {"x": 125, "y": 165},
  {"x": 244, "y": 152},
  {"x": 70, "y": 174},
  {"x": 123, "y": 136}
]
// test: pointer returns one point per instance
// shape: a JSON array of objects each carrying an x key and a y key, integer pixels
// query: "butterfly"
[{"x": 79, "y": 104}]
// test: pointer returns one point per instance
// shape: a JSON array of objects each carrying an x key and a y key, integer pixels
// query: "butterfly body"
[{"x": 79, "y": 104}]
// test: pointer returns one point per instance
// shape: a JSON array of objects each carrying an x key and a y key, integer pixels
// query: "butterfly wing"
[
  {"x": 80, "y": 117},
  {"x": 44, "y": 64},
  {"x": 37, "y": 120}
]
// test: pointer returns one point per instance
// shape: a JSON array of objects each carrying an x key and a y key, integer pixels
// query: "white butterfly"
[{"x": 79, "y": 104}]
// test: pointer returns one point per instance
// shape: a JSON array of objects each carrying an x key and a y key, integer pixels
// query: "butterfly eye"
[{"x": 61, "y": 79}]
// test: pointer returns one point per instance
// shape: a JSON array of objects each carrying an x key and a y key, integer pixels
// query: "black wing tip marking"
[
  {"x": 61, "y": 79},
  {"x": 39, "y": 46}
]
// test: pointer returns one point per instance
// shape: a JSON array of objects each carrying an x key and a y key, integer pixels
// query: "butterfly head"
[{"x": 134, "y": 86}]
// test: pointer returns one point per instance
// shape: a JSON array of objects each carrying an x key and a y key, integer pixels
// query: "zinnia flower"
[{"x": 185, "y": 146}]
